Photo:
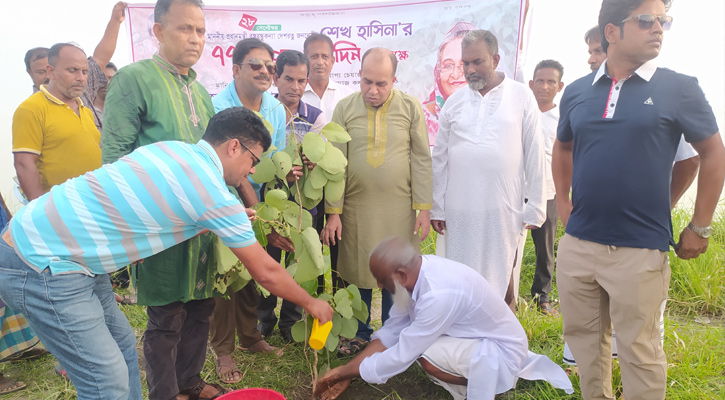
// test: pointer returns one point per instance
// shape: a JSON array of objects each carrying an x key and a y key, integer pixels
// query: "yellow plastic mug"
[{"x": 319, "y": 334}]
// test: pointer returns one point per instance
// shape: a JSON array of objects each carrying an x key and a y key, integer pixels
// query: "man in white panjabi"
[
  {"x": 488, "y": 156},
  {"x": 449, "y": 319}
]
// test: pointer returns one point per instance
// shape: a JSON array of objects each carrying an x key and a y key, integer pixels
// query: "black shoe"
[
  {"x": 265, "y": 330},
  {"x": 287, "y": 335}
]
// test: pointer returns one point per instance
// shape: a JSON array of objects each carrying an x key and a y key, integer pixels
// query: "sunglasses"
[
  {"x": 256, "y": 64},
  {"x": 255, "y": 159},
  {"x": 646, "y": 21}
]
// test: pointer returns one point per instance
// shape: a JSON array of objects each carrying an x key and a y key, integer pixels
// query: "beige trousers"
[{"x": 602, "y": 286}]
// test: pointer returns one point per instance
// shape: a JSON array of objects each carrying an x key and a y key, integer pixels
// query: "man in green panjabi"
[
  {"x": 388, "y": 177},
  {"x": 150, "y": 101}
]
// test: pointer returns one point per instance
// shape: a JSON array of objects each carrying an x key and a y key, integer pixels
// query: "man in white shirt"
[
  {"x": 449, "y": 319},
  {"x": 488, "y": 156},
  {"x": 321, "y": 91},
  {"x": 545, "y": 84},
  {"x": 324, "y": 93}
]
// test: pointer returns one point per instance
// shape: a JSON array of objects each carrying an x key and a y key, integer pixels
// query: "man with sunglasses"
[
  {"x": 157, "y": 100},
  {"x": 252, "y": 69},
  {"x": 617, "y": 138}
]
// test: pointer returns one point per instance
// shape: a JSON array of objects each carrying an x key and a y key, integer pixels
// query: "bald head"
[
  {"x": 377, "y": 75},
  {"x": 395, "y": 258},
  {"x": 381, "y": 58}
]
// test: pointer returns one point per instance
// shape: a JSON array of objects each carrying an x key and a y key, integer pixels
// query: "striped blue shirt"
[{"x": 152, "y": 199}]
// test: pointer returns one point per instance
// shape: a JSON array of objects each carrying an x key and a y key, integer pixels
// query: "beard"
[
  {"x": 401, "y": 298},
  {"x": 477, "y": 84}
]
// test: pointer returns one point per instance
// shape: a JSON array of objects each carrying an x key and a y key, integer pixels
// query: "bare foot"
[{"x": 263, "y": 347}]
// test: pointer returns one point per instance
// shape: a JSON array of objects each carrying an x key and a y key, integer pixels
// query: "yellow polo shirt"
[{"x": 68, "y": 144}]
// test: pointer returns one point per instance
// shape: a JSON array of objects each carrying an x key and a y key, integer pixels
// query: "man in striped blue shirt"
[{"x": 58, "y": 249}]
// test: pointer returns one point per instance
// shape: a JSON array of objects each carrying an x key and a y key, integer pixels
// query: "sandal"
[
  {"x": 227, "y": 371},
  {"x": 125, "y": 300},
  {"x": 195, "y": 392},
  {"x": 31, "y": 354},
  {"x": 8, "y": 385},
  {"x": 61, "y": 372},
  {"x": 352, "y": 347}
]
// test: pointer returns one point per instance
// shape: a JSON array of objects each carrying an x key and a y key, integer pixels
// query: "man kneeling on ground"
[{"x": 448, "y": 318}]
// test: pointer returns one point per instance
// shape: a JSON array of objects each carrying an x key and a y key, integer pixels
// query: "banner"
[{"x": 424, "y": 36}]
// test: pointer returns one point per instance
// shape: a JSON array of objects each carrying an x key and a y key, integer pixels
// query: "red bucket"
[{"x": 252, "y": 394}]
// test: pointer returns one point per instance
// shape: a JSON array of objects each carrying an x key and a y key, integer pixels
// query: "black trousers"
[
  {"x": 544, "y": 244},
  {"x": 174, "y": 346}
]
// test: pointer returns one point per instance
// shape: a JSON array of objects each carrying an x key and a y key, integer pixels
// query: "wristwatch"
[{"x": 703, "y": 232}]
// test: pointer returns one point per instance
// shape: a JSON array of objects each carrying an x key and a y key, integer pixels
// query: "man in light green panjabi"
[{"x": 388, "y": 176}]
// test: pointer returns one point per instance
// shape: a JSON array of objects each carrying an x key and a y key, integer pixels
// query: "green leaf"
[
  {"x": 317, "y": 178},
  {"x": 292, "y": 269},
  {"x": 283, "y": 163},
  {"x": 334, "y": 190},
  {"x": 314, "y": 247},
  {"x": 357, "y": 302},
  {"x": 310, "y": 191},
  {"x": 313, "y": 145},
  {"x": 336, "y": 324},
  {"x": 343, "y": 304},
  {"x": 266, "y": 212},
  {"x": 276, "y": 198},
  {"x": 299, "y": 331},
  {"x": 264, "y": 171},
  {"x": 324, "y": 297},
  {"x": 310, "y": 286},
  {"x": 311, "y": 203},
  {"x": 332, "y": 340},
  {"x": 272, "y": 148},
  {"x": 306, "y": 268},
  {"x": 297, "y": 241},
  {"x": 261, "y": 230},
  {"x": 333, "y": 161},
  {"x": 348, "y": 328},
  {"x": 361, "y": 314},
  {"x": 338, "y": 177},
  {"x": 335, "y": 133}
]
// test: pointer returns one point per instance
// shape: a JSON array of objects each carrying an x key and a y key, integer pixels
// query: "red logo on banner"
[{"x": 247, "y": 22}]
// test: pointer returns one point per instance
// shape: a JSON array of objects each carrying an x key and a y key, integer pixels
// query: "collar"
[
  {"x": 645, "y": 71},
  {"x": 55, "y": 99},
  {"x": 301, "y": 108},
  {"x": 164, "y": 64},
  {"x": 206, "y": 148},
  {"x": 385, "y": 103},
  {"x": 331, "y": 85}
]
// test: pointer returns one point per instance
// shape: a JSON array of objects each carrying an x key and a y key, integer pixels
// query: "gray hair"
[
  {"x": 477, "y": 35},
  {"x": 396, "y": 253}
]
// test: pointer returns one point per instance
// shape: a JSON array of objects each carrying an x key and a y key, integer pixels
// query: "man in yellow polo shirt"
[{"x": 54, "y": 136}]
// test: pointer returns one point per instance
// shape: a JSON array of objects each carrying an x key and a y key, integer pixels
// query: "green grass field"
[{"x": 694, "y": 341}]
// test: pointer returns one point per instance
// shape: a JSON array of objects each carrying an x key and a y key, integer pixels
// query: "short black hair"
[
  {"x": 54, "y": 51},
  {"x": 162, "y": 8},
  {"x": 615, "y": 11},
  {"x": 237, "y": 123},
  {"x": 593, "y": 34},
  {"x": 389, "y": 53},
  {"x": 35, "y": 54},
  {"x": 244, "y": 46},
  {"x": 318, "y": 37},
  {"x": 550, "y": 64},
  {"x": 292, "y": 58},
  {"x": 112, "y": 66}
]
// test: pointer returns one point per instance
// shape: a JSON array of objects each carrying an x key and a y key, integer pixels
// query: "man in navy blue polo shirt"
[{"x": 617, "y": 138}]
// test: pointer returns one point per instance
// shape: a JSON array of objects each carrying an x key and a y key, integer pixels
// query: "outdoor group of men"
[{"x": 174, "y": 184}]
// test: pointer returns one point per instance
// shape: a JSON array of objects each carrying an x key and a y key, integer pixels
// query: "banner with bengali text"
[{"x": 414, "y": 31}]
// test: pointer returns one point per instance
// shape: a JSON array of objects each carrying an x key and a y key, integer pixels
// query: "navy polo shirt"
[{"x": 625, "y": 137}]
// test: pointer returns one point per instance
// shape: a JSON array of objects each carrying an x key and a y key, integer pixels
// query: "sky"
[{"x": 556, "y": 32}]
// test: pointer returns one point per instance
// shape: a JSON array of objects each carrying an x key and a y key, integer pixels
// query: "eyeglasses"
[
  {"x": 256, "y": 64},
  {"x": 255, "y": 159},
  {"x": 646, "y": 21},
  {"x": 448, "y": 68}
]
